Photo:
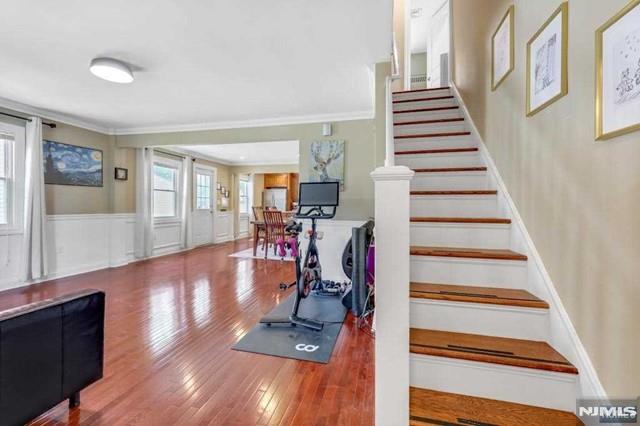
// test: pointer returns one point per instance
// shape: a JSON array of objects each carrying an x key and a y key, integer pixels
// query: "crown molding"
[
  {"x": 178, "y": 128},
  {"x": 55, "y": 116},
  {"x": 241, "y": 124}
]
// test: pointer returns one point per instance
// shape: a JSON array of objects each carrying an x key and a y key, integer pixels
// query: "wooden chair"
[
  {"x": 259, "y": 228},
  {"x": 274, "y": 229}
]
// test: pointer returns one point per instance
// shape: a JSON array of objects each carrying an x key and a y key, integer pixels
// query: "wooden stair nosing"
[
  {"x": 467, "y": 253},
  {"x": 400, "y": 92},
  {"x": 476, "y": 294},
  {"x": 493, "y": 220},
  {"x": 435, "y": 121},
  {"x": 436, "y": 151},
  {"x": 435, "y": 98},
  {"x": 433, "y": 135},
  {"x": 457, "y": 192},
  {"x": 451, "y": 169},
  {"x": 426, "y": 109},
  {"x": 430, "y": 407},
  {"x": 489, "y": 349}
]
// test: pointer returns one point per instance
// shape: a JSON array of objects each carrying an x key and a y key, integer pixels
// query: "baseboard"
[{"x": 590, "y": 385}]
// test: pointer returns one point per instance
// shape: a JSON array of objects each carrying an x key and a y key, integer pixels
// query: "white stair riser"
[
  {"x": 454, "y": 205},
  {"x": 420, "y": 129},
  {"x": 449, "y": 180},
  {"x": 421, "y": 95},
  {"x": 489, "y": 236},
  {"x": 454, "y": 159},
  {"x": 427, "y": 115},
  {"x": 404, "y": 144},
  {"x": 438, "y": 103},
  {"x": 477, "y": 318},
  {"x": 514, "y": 384},
  {"x": 470, "y": 272}
]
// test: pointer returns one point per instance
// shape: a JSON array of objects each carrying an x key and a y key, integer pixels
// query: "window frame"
[
  {"x": 15, "y": 177},
  {"x": 197, "y": 186},
  {"x": 246, "y": 196},
  {"x": 163, "y": 162}
]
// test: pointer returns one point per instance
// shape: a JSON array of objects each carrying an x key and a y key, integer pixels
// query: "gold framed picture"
[
  {"x": 503, "y": 49},
  {"x": 618, "y": 74},
  {"x": 547, "y": 77}
]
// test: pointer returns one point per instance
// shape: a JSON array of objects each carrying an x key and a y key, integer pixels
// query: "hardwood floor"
[{"x": 170, "y": 324}]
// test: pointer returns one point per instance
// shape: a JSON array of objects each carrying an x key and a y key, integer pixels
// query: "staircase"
[{"x": 478, "y": 338}]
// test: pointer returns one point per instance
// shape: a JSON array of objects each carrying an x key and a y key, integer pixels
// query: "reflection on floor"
[{"x": 170, "y": 324}]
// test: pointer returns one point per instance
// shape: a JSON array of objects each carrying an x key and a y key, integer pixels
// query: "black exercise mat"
[{"x": 298, "y": 342}]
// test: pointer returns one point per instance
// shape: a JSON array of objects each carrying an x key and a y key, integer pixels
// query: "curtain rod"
[
  {"x": 52, "y": 125},
  {"x": 169, "y": 153}
]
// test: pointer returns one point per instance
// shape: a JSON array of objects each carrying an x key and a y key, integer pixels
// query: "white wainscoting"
[
  {"x": 223, "y": 227},
  {"x": 10, "y": 259},
  {"x": 336, "y": 235},
  {"x": 167, "y": 237}
]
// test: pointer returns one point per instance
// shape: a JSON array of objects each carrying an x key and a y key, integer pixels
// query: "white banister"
[
  {"x": 389, "y": 160},
  {"x": 392, "y": 295}
]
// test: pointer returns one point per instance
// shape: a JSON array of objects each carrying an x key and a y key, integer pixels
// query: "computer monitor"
[{"x": 318, "y": 194}]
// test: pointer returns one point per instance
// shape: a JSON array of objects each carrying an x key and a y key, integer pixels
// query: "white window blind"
[{"x": 165, "y": 194}]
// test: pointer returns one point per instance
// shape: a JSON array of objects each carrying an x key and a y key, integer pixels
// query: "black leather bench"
[{"x": 49, "y": 352}]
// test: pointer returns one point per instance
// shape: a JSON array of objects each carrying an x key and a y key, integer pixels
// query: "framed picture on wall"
[
  {"x": 547, "y": 79},
  {"x": 66, "y": 164},
  {"x": 327, "y": 161},
  {"x": 503, "y": 49},
  {"x": 618, "y": 74}
]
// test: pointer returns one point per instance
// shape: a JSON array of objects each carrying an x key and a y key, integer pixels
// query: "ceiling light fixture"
[{"x": 111, "y": 70}]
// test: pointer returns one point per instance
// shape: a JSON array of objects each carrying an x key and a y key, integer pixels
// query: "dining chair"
[
  {"x": 259, "y": 227},
  {"x": 274, "y": 229}
]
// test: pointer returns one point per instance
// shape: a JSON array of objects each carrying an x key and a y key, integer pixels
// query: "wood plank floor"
[{"x": 170, "y": 325}]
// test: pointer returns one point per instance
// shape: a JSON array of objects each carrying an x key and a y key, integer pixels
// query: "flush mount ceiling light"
[{"x": 111, "y": 70}]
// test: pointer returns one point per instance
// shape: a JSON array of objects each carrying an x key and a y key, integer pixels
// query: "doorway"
[
  {"x": 429, "y": 46},
  {"x": 204, "y": 179}
]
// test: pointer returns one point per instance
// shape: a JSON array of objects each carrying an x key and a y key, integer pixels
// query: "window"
[
  {"x": 165, "y": 193},
  {"x": 6, "y": 175},
  {"x": 244, "y": 197},
  {"x": 203, "y": 192}
]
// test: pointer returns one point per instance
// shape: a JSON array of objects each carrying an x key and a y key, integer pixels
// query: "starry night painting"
[{"x": 71, "y": 165}]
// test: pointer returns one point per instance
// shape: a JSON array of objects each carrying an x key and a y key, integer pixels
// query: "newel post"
[{"x": 392, "y": 201}]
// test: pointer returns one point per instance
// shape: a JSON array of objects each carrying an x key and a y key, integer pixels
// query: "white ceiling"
[
  {"x": 198, "y": 63},
  {"x": 420, "y": 25},
  {"x": 253, "y": 153}
]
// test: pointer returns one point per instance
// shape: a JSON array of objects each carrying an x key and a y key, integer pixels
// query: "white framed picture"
[
  {"x": 327, "y": 161},
  {"x": 502, "y": 49},
  {"x": 547, "y": 79},
  {"x": 618, "y": 74}
]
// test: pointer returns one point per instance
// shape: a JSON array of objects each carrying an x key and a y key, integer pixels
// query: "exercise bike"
[{"x": 317, "y": 200}]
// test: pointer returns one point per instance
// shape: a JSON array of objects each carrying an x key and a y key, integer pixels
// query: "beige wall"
[
  {"x": 356, "y": 202},
  {"x": 118, "y": 197},
  {"x": 578, "y": 197}
]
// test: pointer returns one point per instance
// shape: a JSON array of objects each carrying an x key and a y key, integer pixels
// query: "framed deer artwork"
[{"x": 327, "y": 162}]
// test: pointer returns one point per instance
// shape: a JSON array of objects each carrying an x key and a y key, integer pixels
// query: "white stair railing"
[{"x": 392, "y": 279}]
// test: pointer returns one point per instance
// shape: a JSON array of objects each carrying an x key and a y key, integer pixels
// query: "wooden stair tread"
[
  {"x": 433, "y": 135},
  {"x": 472, "y": 253},
  {"x": 474, "y": 294},
  {"x": 435, "y": 98},
  {"x": 440, "y": 120},
  {"x": 457, "y": 192},
  {"x": 436, "y": 151},
  {"x": 496, "y": 220},
  {"x": 426, "y": 109},
  {"x": 489, "y": 349},
  {"x": 451, "y": 169},
  {"x": 429, "y": 407},
  {"x": 421, "y": 90}
]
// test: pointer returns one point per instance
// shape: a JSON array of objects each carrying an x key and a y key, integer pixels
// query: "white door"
[
  {"x": 244, "y": 201},
  {"x": 204, "y": 179},
  {"x": 438, "y": 47}
]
